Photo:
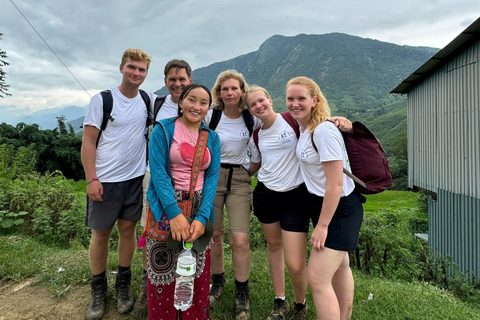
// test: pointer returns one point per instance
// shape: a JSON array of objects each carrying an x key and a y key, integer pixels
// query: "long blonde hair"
[
  {"x": 321, "y": 110},
  {"x": 222, "y": 77}
]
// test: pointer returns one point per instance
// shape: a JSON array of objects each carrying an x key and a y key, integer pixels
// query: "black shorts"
[
  {"x": 121, "y": 200},
  {"x": 345, "y": 226},
  {"x": 287, "y": 207}
]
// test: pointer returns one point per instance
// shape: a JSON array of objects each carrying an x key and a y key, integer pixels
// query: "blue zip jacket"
[{"x": 160, "y": 193}]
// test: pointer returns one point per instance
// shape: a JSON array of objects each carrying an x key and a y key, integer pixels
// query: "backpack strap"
[
  {"x": 255, "y": 137},
  {"x": 292, "y": 122},
  {"x": 157, "y": 106},
  {"x": 146, "y": 100},
  {"x": 216, "y": 115},
  {"x": 107, "y": 99},
  {"x": 348, "y": 173},
  {"x": 289, "y": 119},
  {"x": 248, "y": 118},
  {"x": 313, "y": 143}
]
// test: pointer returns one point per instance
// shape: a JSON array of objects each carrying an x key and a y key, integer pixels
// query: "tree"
[
  {"x": 3, "y": 85},
  {"x": 57, "y": 149},
  {"x": 399, "y": 161}
]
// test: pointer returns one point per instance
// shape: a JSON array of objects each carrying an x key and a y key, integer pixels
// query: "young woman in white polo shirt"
[
  {"x": 277, "y": 202},
  {"x": 334, "y": 207}
]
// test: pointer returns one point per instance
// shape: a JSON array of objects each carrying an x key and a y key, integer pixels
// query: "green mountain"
[
  {"x": 386, "y": 121},
  {"x": 355, "y": 74}
]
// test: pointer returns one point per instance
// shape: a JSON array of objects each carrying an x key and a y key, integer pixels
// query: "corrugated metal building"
[{"x": 444, "y": 145}]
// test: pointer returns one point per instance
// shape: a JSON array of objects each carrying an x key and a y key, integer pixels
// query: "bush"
[
  {"x": 387, "y": 248},
  {"x": 45, "y": 206}
]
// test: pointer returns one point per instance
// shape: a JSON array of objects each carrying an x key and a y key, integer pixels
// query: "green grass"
[
  {"x": 22, "y": 257},
  {"x": 402, "y": 300},
  {"x": 390, "y": 200}
]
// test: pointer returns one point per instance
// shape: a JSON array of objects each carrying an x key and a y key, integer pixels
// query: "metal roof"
[{"x": 463, "y": 40}]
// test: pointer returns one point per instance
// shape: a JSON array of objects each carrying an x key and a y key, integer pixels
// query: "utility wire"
[{"x": 50, "y": 48}]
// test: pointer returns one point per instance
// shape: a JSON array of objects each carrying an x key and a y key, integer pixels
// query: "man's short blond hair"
[{"x": 136, "y": 55}]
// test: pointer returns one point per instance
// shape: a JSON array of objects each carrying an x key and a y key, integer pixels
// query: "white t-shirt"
[
  {"x": 234, "y": 138},
  {"x": 169, "y": 109},
  {"x": 330, "y": 145},
  {"x": 280, "y": 170},
  {"x": 121, "y": 150}
]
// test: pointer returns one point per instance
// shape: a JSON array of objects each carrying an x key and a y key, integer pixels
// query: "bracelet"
[{"x": 93, "y": 179}]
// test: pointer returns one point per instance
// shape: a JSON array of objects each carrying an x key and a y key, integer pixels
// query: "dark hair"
[
  {"x": 178, "y": 64},
  {"x": 187, "y": 90}
]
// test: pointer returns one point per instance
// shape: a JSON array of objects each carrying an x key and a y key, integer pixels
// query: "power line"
[{"x": 50, "y": 48}]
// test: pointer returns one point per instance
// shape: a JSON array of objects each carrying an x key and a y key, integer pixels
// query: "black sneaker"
[
  {"x": 96, "y": 307},
  {"x": 140, "y": 306},
  {"x": 299, "y": 311},
  {"x": 124, "y": 293},
  {"x": 218, "y": 284},
  {"x": 242, "y": 303},
  {"x": 280, "y": 310}
]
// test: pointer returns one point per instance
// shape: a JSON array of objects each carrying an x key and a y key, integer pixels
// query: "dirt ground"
[{"x": 22, "y": 301}]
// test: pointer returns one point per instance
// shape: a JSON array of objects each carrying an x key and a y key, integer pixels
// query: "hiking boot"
[
  {"x": 96, "y": 307},
  {"x": 140, "y": 306},
  {"x": 124, "y": 293},
  {"x": 299, "y": 314},
  {"x": 280, "y": 310},
  {"x": 218, "y": 284},
  {"x": 242, "y": 303}
]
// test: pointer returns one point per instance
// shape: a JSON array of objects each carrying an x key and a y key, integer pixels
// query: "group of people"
[{"x": 204, "y": 147}]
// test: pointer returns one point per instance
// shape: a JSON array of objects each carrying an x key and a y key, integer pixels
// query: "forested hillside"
[{"x": 355, "y": 74}]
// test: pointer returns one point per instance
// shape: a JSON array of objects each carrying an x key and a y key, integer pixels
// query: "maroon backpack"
[
  {"x": 370, "y": 169},
  {"x": 289, "y": 119}
]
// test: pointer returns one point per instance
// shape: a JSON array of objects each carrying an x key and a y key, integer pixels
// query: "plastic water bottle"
[{"x": 186, "y": 267}]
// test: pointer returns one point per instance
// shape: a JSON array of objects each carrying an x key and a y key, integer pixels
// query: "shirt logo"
[
  {"x": 244, "y": 134},
  {"x": 285, "y": 137},
  {"x": 303, "y": 155}
]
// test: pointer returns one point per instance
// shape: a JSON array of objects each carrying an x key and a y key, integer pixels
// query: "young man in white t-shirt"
[
  {"x": 114, "y": 164},
  {"x": 178, "y": 75}
]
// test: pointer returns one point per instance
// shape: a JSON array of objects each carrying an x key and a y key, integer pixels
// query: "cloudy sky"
[{"x": 90, "y": 36}]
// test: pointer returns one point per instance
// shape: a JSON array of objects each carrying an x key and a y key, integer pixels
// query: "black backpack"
[
  {"x": 247, "y": 117},
  {"x": 108, "y": 106},
  {"x": 157, "y": 106}
]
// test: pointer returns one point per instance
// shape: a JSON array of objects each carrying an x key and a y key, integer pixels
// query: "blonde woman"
[
  {"x": 233, "y": 123},
  {"x": 334, "y": 207},
  {"x": 275, "y": 200},
  {"x": 284, "y": 219}
]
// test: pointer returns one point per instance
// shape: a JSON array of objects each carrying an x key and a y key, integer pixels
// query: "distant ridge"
[
  {"x": 47, "y": 119},
  {"x": 355, "y": 74}
]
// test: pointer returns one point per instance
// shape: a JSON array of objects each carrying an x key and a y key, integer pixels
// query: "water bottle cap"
[{"x": 187, "y": 245}]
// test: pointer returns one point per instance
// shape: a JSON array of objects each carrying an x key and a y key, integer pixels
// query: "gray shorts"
[{"x": 121, "y": 200}]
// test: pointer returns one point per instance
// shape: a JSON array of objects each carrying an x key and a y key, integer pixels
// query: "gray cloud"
[{"x": 90, "y": 36}]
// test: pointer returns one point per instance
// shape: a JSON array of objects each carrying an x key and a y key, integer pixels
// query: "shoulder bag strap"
[{"x": 199, "y": 154}]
